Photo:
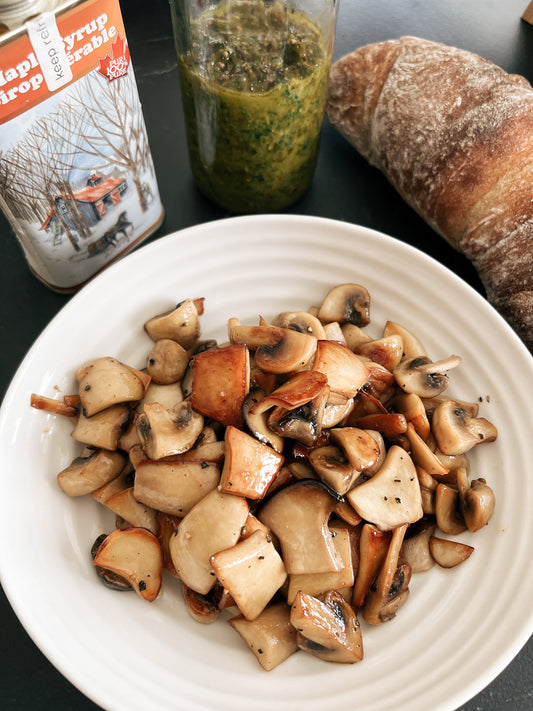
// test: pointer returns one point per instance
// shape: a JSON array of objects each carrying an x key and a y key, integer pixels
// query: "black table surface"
[{"x": 344, "y": 188}]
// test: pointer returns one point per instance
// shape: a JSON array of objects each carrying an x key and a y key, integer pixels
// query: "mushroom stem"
[
  {"x": 477, "y": 501},
  {"x": 440, "y": 366}
]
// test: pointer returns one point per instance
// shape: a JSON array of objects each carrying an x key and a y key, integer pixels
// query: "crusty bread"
[{"x": 454, "y": 135}]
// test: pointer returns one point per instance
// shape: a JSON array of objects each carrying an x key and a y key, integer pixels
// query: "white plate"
[{"x": 458, "y": 629}]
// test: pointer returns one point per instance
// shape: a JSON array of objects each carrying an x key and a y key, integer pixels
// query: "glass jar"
[{"x": 253, "y": 77}]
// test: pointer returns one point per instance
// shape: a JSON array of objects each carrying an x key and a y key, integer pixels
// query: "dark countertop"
[{"x": 344, "y": 188}]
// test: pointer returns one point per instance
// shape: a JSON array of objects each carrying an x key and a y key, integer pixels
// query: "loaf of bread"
[{"x": 453, "y": 133}]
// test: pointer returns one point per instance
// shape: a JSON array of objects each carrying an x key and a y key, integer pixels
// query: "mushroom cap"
[
  {"x": 327, "y": 627},
  {"x": 392, "y": 496},
  {"x": 298, "y": 515},
  {"x": 423, "y": 377},
  {"x": 457, "y": 431},
  {"x": 346, "y": 303},
  {"x": 301, "y": 321}
]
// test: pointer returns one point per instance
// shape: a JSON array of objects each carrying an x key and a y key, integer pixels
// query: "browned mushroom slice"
[
  {"x": 298, "y": 407},
  {"x": 346, "y": 303},
  {"x": 412, "y": 347},
  {"x": 319, "y": 583},
  {"x": 249, "y": 465},
  {"x": 134, "y": 554},
  {"x": 221, "y": 381},
  {"x": 382, "y": 452},
  {"x": 448, "y": 553},
  {"x": 167, "y": 362},
  {"x": 333, "y": 332},
  {"x": 135, "y": 513},
  {"x": 447, "y": 510},
  {"x": 477, "y": 501},
  {"x": 420, "y": 375},
  {"x": 215, "y": 523},
  {"x": 428, "y": 487},
  {"x": 412, "y": 407},
  {"x": 391, "y": 587},
  {"x": 327, "y": 627},
  {"x": 167, "y": 395},
  {"x": 301, "y": 321},
  {"x": 354, "y": 336},
  {"x": 344, "y": 370},
  {"x": 181, "y": 324},
  {"x": 123, "y": 481},
  {"x": 104, "y": 382},
  {"x": 390, "y": 424},
  {"x": 174, "y": 487},
  {"x": 167, "y": 525},
  {"x": 252, "y": 571},
  {"x": 166, "y": 432},
  {"x": 257, "y": 421},
  {"x": 91, "y": 470},
  {"x": 422, "y": 455},
  {"x": 297, "y": 390},
  {"x": 130, "y": 437},
  {"x": 373, "y": 548},
  {"x": 336, "y": 413},
  {"x": 360, "y": 447},
  {"x": 104, "y": 429},
  {"x": 392, "y": 496},
  {"x": 415, "y": 549},
  {"x": 386, "y": 351},
  {"x": 333, "y": 468},
  {"x": 271, "y": 637},
  {"x": 55, "y": 407},
  {"x": 253, "y": 524},
  {"x": 379, "y": 380},
  {"x": 298, "y": 515},
  {"x": 457, "y": 431},
  {"x": 202, "y": 608},
  {"x": 277, "y": 350},
  {"x": 303, "y": 424},
  {"x": 111, "y": 580}
]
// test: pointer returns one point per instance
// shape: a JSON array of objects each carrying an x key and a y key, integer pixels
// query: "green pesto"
[{"x": 254, "y": 104}]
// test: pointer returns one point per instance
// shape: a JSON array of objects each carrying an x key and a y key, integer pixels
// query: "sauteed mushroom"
[
  {"x": 423, "y": 377},
  {"x": 477, "y": 501},
  {"x": 166, "y": 432},
  {"x": 457, "y": 431},
  {"x": 167, "y": 362},
  {"x": 277, "y": 350},
  {"x": 180, "y": 324},
  {"x": 391, "y": 588},
  {"x": 90, "y": 470},
  {"x": 346, "y": 303},
  {"x": 106, "y": 381},
  {"x": 298, "y": 515},
  {"x": 327, "y": 627},
  {"x": 392, "y": 496},
  {"x": 271, "y": 637},
  {"x": 301, "y": 321}
]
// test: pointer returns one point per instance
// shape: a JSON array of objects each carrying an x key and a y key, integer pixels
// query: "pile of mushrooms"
[{"x": 293, "y": 478}]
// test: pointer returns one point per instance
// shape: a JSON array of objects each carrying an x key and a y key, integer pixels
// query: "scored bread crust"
[{"x": 453, "y": 133}]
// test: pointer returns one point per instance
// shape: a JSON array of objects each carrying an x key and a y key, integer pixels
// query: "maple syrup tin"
[{"x": 77, "y": 180}]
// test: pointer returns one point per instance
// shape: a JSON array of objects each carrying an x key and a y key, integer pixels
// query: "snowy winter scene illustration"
[{"x": 77, "y": 177}]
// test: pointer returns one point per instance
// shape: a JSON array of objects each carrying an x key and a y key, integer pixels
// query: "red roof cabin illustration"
[{"x": 92, "y": 202}]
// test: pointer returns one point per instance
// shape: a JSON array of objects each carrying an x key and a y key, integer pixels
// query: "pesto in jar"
[{"x": 254, "y": 84}]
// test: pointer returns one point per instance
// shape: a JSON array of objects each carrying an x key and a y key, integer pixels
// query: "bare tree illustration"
[
  {"x": 98, "y": 120},
  {"x": 114, "y": 129},
  {"x": 31, "y": 176}
]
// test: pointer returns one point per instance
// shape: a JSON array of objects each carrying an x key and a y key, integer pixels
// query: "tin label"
[{"x": 77, "y": 180}]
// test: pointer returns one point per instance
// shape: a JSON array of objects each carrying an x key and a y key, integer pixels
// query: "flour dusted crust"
[{"x": 454, "y": 135}]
